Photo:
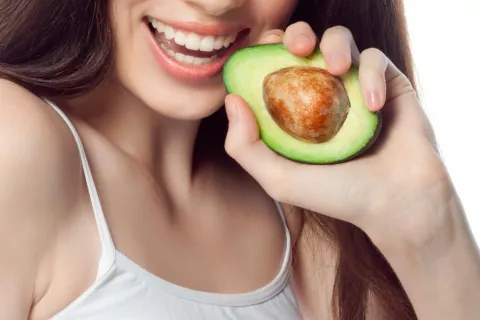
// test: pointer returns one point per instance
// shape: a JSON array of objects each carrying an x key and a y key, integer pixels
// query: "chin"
[
  {"x": 176, "y": 101},
  {"x": 187, "y": 110}
]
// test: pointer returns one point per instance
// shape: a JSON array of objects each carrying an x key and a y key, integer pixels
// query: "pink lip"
[{"x": 189, "y": 72}]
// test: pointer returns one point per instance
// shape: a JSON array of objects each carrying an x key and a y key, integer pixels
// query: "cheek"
[{"x": 138, "y": 73}]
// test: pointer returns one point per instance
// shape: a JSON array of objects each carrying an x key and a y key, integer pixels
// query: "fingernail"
[
  {"x": 373, "y": 99},
  {"x": 232, "y": 109},
  {"x": 272, "y": 38}
]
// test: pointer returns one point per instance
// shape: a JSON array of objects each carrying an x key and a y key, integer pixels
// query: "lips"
[{"x": 190, "y": 55}]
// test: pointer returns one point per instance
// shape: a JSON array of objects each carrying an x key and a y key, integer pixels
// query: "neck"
[{"x": 161, "y": 145}]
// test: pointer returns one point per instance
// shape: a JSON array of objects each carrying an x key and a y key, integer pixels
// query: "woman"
[{"x": 160, "y": 223}]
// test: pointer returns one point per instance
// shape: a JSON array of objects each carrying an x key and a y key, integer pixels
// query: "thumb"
[
  {"x": 272, "y": 36},
  {"x": 284, "y": 180},
  {"x": 242, "y": 128},
  {"x": 244, "y": 145}
]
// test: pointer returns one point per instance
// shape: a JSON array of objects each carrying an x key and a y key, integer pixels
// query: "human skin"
[
  {"x": 400, "y": 193},
  {"x": 139, "y": 126}
]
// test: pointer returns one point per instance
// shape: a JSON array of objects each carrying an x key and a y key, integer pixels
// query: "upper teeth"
[{"x": 191, "y": 40}]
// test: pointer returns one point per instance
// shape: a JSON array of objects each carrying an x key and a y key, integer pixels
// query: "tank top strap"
[
  {"x": 288, "y": 240},
  {"x": 108, "y": 248}
]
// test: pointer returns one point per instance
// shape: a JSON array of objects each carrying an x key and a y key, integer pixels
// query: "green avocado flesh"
[{"x": 244, "y": 74}]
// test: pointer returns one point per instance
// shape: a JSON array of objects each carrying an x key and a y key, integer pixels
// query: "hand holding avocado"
[{"x": 301, "y": 123}]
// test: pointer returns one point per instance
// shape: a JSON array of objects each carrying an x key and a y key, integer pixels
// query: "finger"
[
  {"x": 373, "y": 66},
  {"x": 244, "y": 145},
  {"x": 300, "y": 39},
  {"x": 272, "y": 36},
  {"x": 339, "y": 49},
  {"x": 284, "y": 180},
  {"x": 398, "y": 83},
  {"x": 381, "y": 80}
]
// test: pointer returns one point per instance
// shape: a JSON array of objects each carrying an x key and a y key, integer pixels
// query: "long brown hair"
[
  {"x": 65, "y": 48},
  {"x": 361, "y": 267}
]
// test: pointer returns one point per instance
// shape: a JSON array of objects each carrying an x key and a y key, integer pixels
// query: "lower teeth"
[{"x": 183, "y": 58}]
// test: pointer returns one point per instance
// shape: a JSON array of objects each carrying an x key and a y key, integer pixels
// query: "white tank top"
[{"x": 123, "y": 290}]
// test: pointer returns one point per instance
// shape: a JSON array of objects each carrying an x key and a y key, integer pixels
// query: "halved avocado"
[{"x": 303, "y": 112}]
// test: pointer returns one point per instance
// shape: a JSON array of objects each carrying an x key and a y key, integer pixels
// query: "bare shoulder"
[
  {"x": 33, "y": 136},
  {"x": 38, "y": 166}
]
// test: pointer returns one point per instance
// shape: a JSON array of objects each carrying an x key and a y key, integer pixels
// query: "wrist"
[
  {"x": 440, "y": 271},
  {"x": 426, "y": 227},
  {"x": 429, "y": 243}
]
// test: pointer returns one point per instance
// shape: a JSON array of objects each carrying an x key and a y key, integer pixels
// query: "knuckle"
[
  {"x": 277, "y": 184},
  {"x": 293, "y": 30},
  {"x": 373, "y": 52},
  {"x": 339, "y": 31},
  {"x": 301, "y": 25},
  {"x": 230, "y": 148},
  {"x": 333, "y": 35},
  {"x": 400, "y": 80},
  {"x": 374, "y": 63},
  {"x": 277, "y": 192},
  {"x": 398, "y": 86}
]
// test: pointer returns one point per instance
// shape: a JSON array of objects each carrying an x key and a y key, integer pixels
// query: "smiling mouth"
[{"x": 190, "y": 48}]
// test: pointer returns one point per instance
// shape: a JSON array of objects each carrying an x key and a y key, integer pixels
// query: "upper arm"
[{"x": 34, "y": 193}]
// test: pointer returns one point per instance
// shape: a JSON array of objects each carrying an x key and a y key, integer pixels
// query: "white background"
[{"x": 445, "y": 36}]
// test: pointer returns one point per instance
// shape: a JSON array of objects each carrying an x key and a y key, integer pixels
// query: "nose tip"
[{"x": 216, "y": 7}]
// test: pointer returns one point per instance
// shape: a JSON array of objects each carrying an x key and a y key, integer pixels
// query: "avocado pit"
[{"x": 307, "y": 102}]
